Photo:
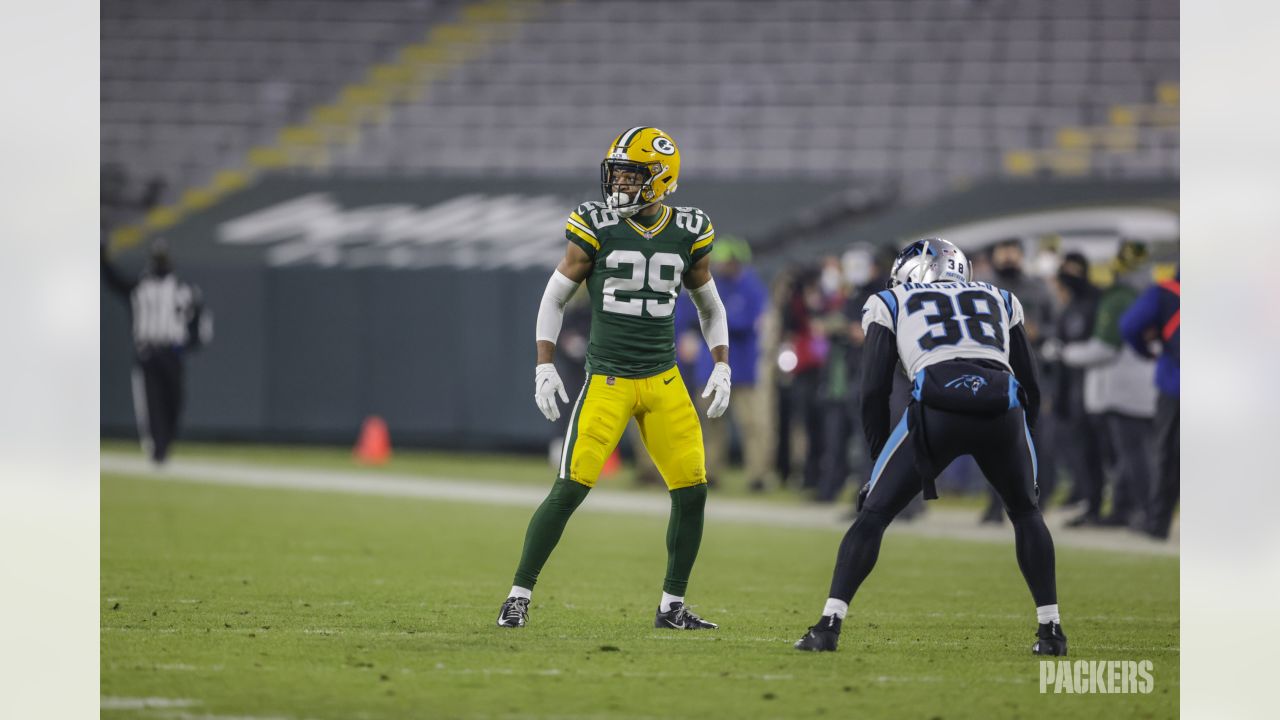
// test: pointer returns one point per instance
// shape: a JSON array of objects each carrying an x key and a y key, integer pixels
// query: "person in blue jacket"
[
  {"x": 745, "y": 300},
  {"x": 1155, "y": 319}
]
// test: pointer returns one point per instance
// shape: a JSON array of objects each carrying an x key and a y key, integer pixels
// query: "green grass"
[
  {"x": 514, "y": 468},
  {"x": 508, "y": 468},
  {"x": 293, "y": 604}
]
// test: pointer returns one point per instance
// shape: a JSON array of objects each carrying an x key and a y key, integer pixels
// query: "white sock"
[
  {"x": 517, "y": 591},
  {"x": 667, "y": 600},
  {"x": 839, "y": 608},
  {"x": 1047, "y": 614}
]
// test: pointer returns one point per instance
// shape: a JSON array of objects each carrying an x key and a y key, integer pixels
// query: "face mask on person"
[
  {"x": 830, "y": 280},
  {"x": 1075, "y": 283},
  {"x": 857, "y": 267},
  {"x": 1008, "y": 273}
]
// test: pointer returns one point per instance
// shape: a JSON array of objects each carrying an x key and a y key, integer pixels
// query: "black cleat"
[
  {"x": 514, "y": 613},
  {"x": 822, "y": 637},
  {"x": 1050, "y": 640},
  {"x": 679, "y": 618}
]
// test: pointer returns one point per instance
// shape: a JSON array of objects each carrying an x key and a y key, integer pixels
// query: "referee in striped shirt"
[{"x": 168, "y": 320}]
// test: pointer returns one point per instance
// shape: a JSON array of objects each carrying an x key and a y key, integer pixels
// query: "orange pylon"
[
  {"x": 374, "y": 445},
  {"x": 612, "y": 464}
]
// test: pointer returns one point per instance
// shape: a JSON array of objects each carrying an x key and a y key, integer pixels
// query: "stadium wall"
[{"x": 415, "y": 298}]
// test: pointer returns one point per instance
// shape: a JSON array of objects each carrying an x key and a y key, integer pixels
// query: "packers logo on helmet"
[{"x": 640, "y": 169}]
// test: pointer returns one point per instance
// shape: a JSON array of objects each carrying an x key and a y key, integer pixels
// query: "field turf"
[
  {"x": 516, "y": 468},
  {"x": 251, "y": 603}
]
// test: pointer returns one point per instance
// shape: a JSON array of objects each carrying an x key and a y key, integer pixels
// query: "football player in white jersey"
[{"x": 975, "y": 392}]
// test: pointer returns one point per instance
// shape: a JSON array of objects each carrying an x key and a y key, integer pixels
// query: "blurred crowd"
[{"x": 1107, "y": 336}]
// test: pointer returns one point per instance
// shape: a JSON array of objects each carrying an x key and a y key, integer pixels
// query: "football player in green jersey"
[{"x": 634, "y": 253}]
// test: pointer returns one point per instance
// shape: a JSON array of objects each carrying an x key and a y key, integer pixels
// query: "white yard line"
[
  {"x": 193, "y": 716},
  {"x": 146, "y": 703},
  {"x": 937, "y": 522},
  {"x": 172, "y": 709}
]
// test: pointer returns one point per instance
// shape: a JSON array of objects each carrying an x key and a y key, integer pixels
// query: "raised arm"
[{"x": 115, "y": 281}]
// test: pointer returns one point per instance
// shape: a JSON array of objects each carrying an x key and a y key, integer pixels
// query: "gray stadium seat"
[{"x": 933, "y": 91}]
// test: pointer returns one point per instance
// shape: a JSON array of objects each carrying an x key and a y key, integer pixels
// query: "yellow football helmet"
[{"x": 648, "y": 153}]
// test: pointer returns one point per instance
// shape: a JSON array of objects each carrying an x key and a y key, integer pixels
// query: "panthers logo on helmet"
[
  {"x": 930, "y": 260},
  {"x": 641, "y": 168}
]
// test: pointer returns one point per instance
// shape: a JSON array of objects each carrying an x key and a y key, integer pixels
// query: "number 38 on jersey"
[{"x": 940, "y": 321}]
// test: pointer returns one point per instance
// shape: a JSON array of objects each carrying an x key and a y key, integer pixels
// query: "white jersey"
[
  {"x": 162, "y": 308},
  {"x": 934, "y": 322}
]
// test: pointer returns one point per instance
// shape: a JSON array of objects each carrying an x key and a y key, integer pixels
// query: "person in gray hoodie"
[{"x": 1119, "y": 394}]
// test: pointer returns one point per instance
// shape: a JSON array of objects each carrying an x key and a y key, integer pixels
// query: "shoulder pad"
[
  {"x": 595, "y": 214},
  {"x": 694, "y": 221},
  {"x": 701, "y": 233}
]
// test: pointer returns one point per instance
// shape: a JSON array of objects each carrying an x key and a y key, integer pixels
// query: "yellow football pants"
[{"x": 666, "y": 416}]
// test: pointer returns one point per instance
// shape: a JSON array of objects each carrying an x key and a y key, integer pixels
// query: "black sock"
[
  {"x": 858, "y": 553},
  {"x": 1034, "y": 546}
]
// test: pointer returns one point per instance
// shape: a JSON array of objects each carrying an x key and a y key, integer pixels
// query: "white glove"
[
  {"x": 546, "y": 385},
  {"x": 719, "y": 383}
]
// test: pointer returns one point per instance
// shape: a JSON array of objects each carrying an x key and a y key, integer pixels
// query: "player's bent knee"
[
  {"x": 567, "y": 494},
  {"x": 685, "y": 482},
  {"x": 1023, "y": 515},
  {"x": 870, "y": 517},
  {"x": 690, "y": 471},
  {"x": 585, "y": 468},
  {"x": 691, "y": 497}
]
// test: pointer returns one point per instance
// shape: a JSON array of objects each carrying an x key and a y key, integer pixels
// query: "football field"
[{"x": 258, "y": 602}]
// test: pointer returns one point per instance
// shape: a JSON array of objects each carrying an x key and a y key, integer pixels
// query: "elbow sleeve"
[
  {"x": 711, "y": 314},
  {"x": 551, "y": 310}
]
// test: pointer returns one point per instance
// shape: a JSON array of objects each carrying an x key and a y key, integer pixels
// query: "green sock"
[
  {"x": 545, "y": 528},
  {"x": 684, "y": 535}
]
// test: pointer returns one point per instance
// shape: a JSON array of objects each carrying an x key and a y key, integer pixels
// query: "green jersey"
[
  {"x": 1111, "y": 305},
  {"x": 636, "y": 273}
]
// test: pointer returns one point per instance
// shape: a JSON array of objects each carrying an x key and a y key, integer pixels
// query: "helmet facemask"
[
  {"x": 627, "y": 186},
  {"x": 911, "y": 265}
]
